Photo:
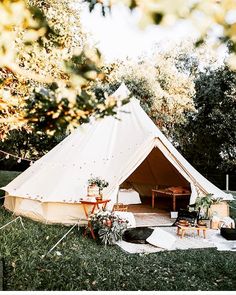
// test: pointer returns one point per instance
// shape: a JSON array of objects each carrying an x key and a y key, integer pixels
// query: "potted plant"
[
  {"x": 203, "y": 204},
  {"x": 108, "y": 226},
  {"x": 96, "y": 185}
]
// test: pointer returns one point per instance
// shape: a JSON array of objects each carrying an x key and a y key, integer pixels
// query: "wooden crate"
[{"x": 222, "y": 209}]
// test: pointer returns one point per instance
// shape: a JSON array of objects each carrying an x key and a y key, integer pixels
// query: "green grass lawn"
[
  {"x": 80, "y": 263},
  {"x": 5, "y": 178},
  {"x": 86, "y": 265}
]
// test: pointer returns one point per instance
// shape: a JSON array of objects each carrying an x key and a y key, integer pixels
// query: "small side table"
[
  {"x": 86, "y": 205},
  {"x": 181, "y": 230}
]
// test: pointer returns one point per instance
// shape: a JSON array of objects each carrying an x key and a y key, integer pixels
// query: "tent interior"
[{"x": 155, "y": 172}]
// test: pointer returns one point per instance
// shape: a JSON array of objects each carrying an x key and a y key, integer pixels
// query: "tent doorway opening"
[{"x": 155, "y": 172}]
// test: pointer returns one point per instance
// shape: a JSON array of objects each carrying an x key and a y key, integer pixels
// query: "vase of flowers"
[
  {"x": 95, "y": 186},
  {"x": 109, "y": 226}
]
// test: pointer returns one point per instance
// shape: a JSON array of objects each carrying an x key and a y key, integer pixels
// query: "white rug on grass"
[
  {"x": 190, "y": 241},
  {"x": 220, "y": 242}
]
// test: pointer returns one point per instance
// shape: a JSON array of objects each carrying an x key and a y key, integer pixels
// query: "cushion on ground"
[
  {"x": 161, "y": 238},
  {"x": 228, "y": 233},
  {"x": 137, "y": 235}
]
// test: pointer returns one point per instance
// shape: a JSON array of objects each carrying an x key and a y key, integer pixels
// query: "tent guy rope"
[
  {"x": 62, "y": 238},
  {"x": 19, "y": 217}
]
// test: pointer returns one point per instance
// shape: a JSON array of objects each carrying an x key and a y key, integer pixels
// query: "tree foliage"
[
  {"x": 204, "y": 15},
  {"x": 44, "y": 48},
  {"x": 208, "y": 138},
  {"x": 26, "y": 145},
  {"x": 163, "y": 82},
  {"x": 38, "y": 36}
]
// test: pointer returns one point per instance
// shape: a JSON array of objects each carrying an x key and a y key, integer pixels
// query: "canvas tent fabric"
[{"x": 130, "y": 147}]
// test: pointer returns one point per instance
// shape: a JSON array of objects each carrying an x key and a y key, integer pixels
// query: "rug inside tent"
[{"x": 153, "y": 219}]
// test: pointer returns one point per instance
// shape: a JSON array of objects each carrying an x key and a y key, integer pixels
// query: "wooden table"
[
  {"x": 181, "y": 230},
  {"x": 156, "y": 192},
  {"x": 95, "y": 205}
]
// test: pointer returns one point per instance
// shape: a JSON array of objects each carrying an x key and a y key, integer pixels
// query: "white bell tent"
[{"x": 131, "y": 148}]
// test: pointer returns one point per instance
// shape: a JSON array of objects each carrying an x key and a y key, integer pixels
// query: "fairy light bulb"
[
  {"x": 19, "y": 160},
  {"x": 7, "y": 156}
]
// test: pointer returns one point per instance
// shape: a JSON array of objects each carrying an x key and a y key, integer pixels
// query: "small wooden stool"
[{"x": 181, "y": 230}]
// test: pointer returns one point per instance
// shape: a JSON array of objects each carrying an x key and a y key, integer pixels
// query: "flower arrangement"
[
  {"x": 109, "y": 226},
  {"x": 101, "y": 183}
]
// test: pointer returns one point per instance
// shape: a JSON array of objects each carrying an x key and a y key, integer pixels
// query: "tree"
[
  {"x": 208, "y": 138},
  {"x": 26, "y": 145},
  {"x": 163, "y": 82},
  {"x": 31, "y": 37},
  {"x": 42, "y": 46}
]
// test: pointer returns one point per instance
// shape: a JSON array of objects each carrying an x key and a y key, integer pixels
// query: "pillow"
[
  {"x": 191, "y": 217},
  {"x": 176, "y": 189},
  {"x": 161, "y": 239}
]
